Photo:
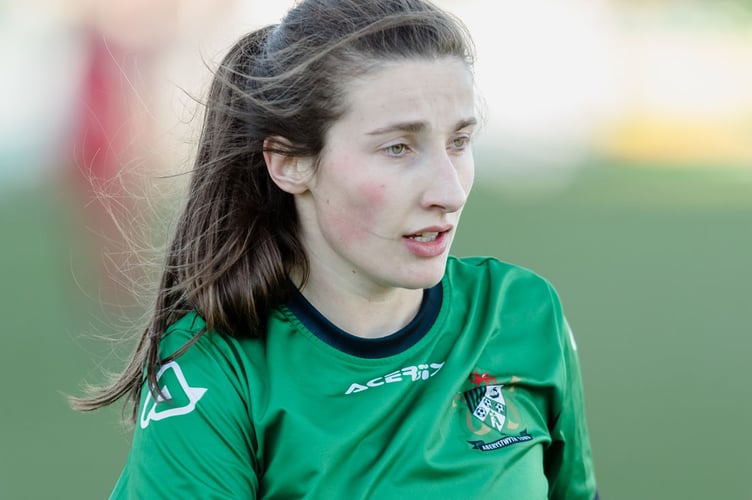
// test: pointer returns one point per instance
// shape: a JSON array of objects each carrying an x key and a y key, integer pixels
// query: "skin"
[{"x": 398, "y": 164}]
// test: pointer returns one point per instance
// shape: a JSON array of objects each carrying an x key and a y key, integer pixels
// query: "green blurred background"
[
  {"x": 654, "y": 272},
  {"x": 616, "y": 161}
]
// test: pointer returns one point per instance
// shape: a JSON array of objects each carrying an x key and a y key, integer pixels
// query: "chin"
[{"x": 425, "y": 276}]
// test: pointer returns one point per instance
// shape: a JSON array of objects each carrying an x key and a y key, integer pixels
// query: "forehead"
[{"x": 431, "y": 90}]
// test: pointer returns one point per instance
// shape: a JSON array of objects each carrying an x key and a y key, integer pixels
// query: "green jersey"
[{"x": 478, "y": 397}]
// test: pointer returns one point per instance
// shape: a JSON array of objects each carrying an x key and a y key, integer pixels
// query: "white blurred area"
[{"x": 659, "y": 83}]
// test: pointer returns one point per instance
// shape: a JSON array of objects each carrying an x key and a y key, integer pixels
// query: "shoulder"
[
  {"x": 200, "y": 370},
  {"x": 199, "y": 413},
  {"x": 493, "y": 274},
  {"x": 485, "y": 264},
  {"x": 490, "y": 291},
  {"x": 181, "y": 331},
  {"x": 208, "y": 344},
  {"x": 195, "y": 356}
]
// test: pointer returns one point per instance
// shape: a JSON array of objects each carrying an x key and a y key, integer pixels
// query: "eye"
[
  {"x": 460, "y": 143},
  {"x": 396, "y": 149}
]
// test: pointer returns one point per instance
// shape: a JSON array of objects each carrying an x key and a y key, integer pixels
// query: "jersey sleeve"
[
  {"x": 568, "y": 460},
  {"x": 196, "y": 441}
]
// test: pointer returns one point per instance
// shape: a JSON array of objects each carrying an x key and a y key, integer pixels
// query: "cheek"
[
  {"x": 352, "y": 218},
  {"x": 363, "y": 210},
  {"x": 372, "y": 195}
]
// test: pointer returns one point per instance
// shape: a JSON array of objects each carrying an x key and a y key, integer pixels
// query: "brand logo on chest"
[{"x": 407, "y": 374}]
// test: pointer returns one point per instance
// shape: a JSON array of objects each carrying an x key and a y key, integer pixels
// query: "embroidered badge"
[
  {"x": 486, "y": 403},
  {"x": 488, "y": 411}
]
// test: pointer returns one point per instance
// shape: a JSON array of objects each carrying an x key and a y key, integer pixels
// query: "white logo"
[
  {"x": 192, "y": 393},
  {"x": 409, "y": 373}
]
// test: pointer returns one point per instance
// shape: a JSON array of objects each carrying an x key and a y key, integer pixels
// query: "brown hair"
[{"x": 236, "y": 241}]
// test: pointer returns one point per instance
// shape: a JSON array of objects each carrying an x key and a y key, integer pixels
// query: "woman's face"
[{"x": 383, "y": 206}]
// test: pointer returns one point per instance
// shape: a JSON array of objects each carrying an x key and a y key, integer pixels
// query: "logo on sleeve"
[{"x": 176, "y": 398}]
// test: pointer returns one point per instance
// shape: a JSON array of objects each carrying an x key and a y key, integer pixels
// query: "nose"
[{"x": 449, "y": 179}]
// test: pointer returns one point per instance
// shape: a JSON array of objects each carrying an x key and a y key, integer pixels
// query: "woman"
[{"x": 312, "y": 337}]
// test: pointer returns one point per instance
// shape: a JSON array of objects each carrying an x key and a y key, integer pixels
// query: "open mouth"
[
  {"x": 424, "y": 237},
  {"x": 429, "y": 243}
]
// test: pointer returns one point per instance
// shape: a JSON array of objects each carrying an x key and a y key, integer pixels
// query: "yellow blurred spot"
[{"x": 686, "y": 143}]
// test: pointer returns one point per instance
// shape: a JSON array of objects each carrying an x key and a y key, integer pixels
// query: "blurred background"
[{"x": 616, "y": 160}]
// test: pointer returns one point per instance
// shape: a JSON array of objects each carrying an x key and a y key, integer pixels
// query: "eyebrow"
[{"x": 417, "y": 127}]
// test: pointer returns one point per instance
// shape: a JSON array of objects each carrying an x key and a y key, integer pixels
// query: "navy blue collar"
[{"x": 381, "y": 347}]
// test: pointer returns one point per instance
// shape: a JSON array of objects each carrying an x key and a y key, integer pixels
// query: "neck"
[{"x": 366, "y": 313}]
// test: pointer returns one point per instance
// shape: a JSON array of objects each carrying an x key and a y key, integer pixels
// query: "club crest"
[
  {"x": 488, "y": 414},
  {"x": 486, "y": 403}
]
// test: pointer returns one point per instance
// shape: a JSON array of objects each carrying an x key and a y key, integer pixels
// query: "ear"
[{"x": 290, "y": 173}]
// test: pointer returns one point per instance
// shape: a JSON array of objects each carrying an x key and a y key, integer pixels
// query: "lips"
[
  {"x": 428, "y": 242},
  {"x": 428, "y": 234},
  {"x": 424, "y": 237}
]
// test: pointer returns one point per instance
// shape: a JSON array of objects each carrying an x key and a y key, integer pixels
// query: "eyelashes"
[
  {"x": 401, "y": 149},
  {"x": 460, "y": 143},
  {"x": 397, "y": 150}
]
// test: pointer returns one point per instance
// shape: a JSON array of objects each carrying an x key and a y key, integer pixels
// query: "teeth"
[{"x": 425, "y": 237}]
